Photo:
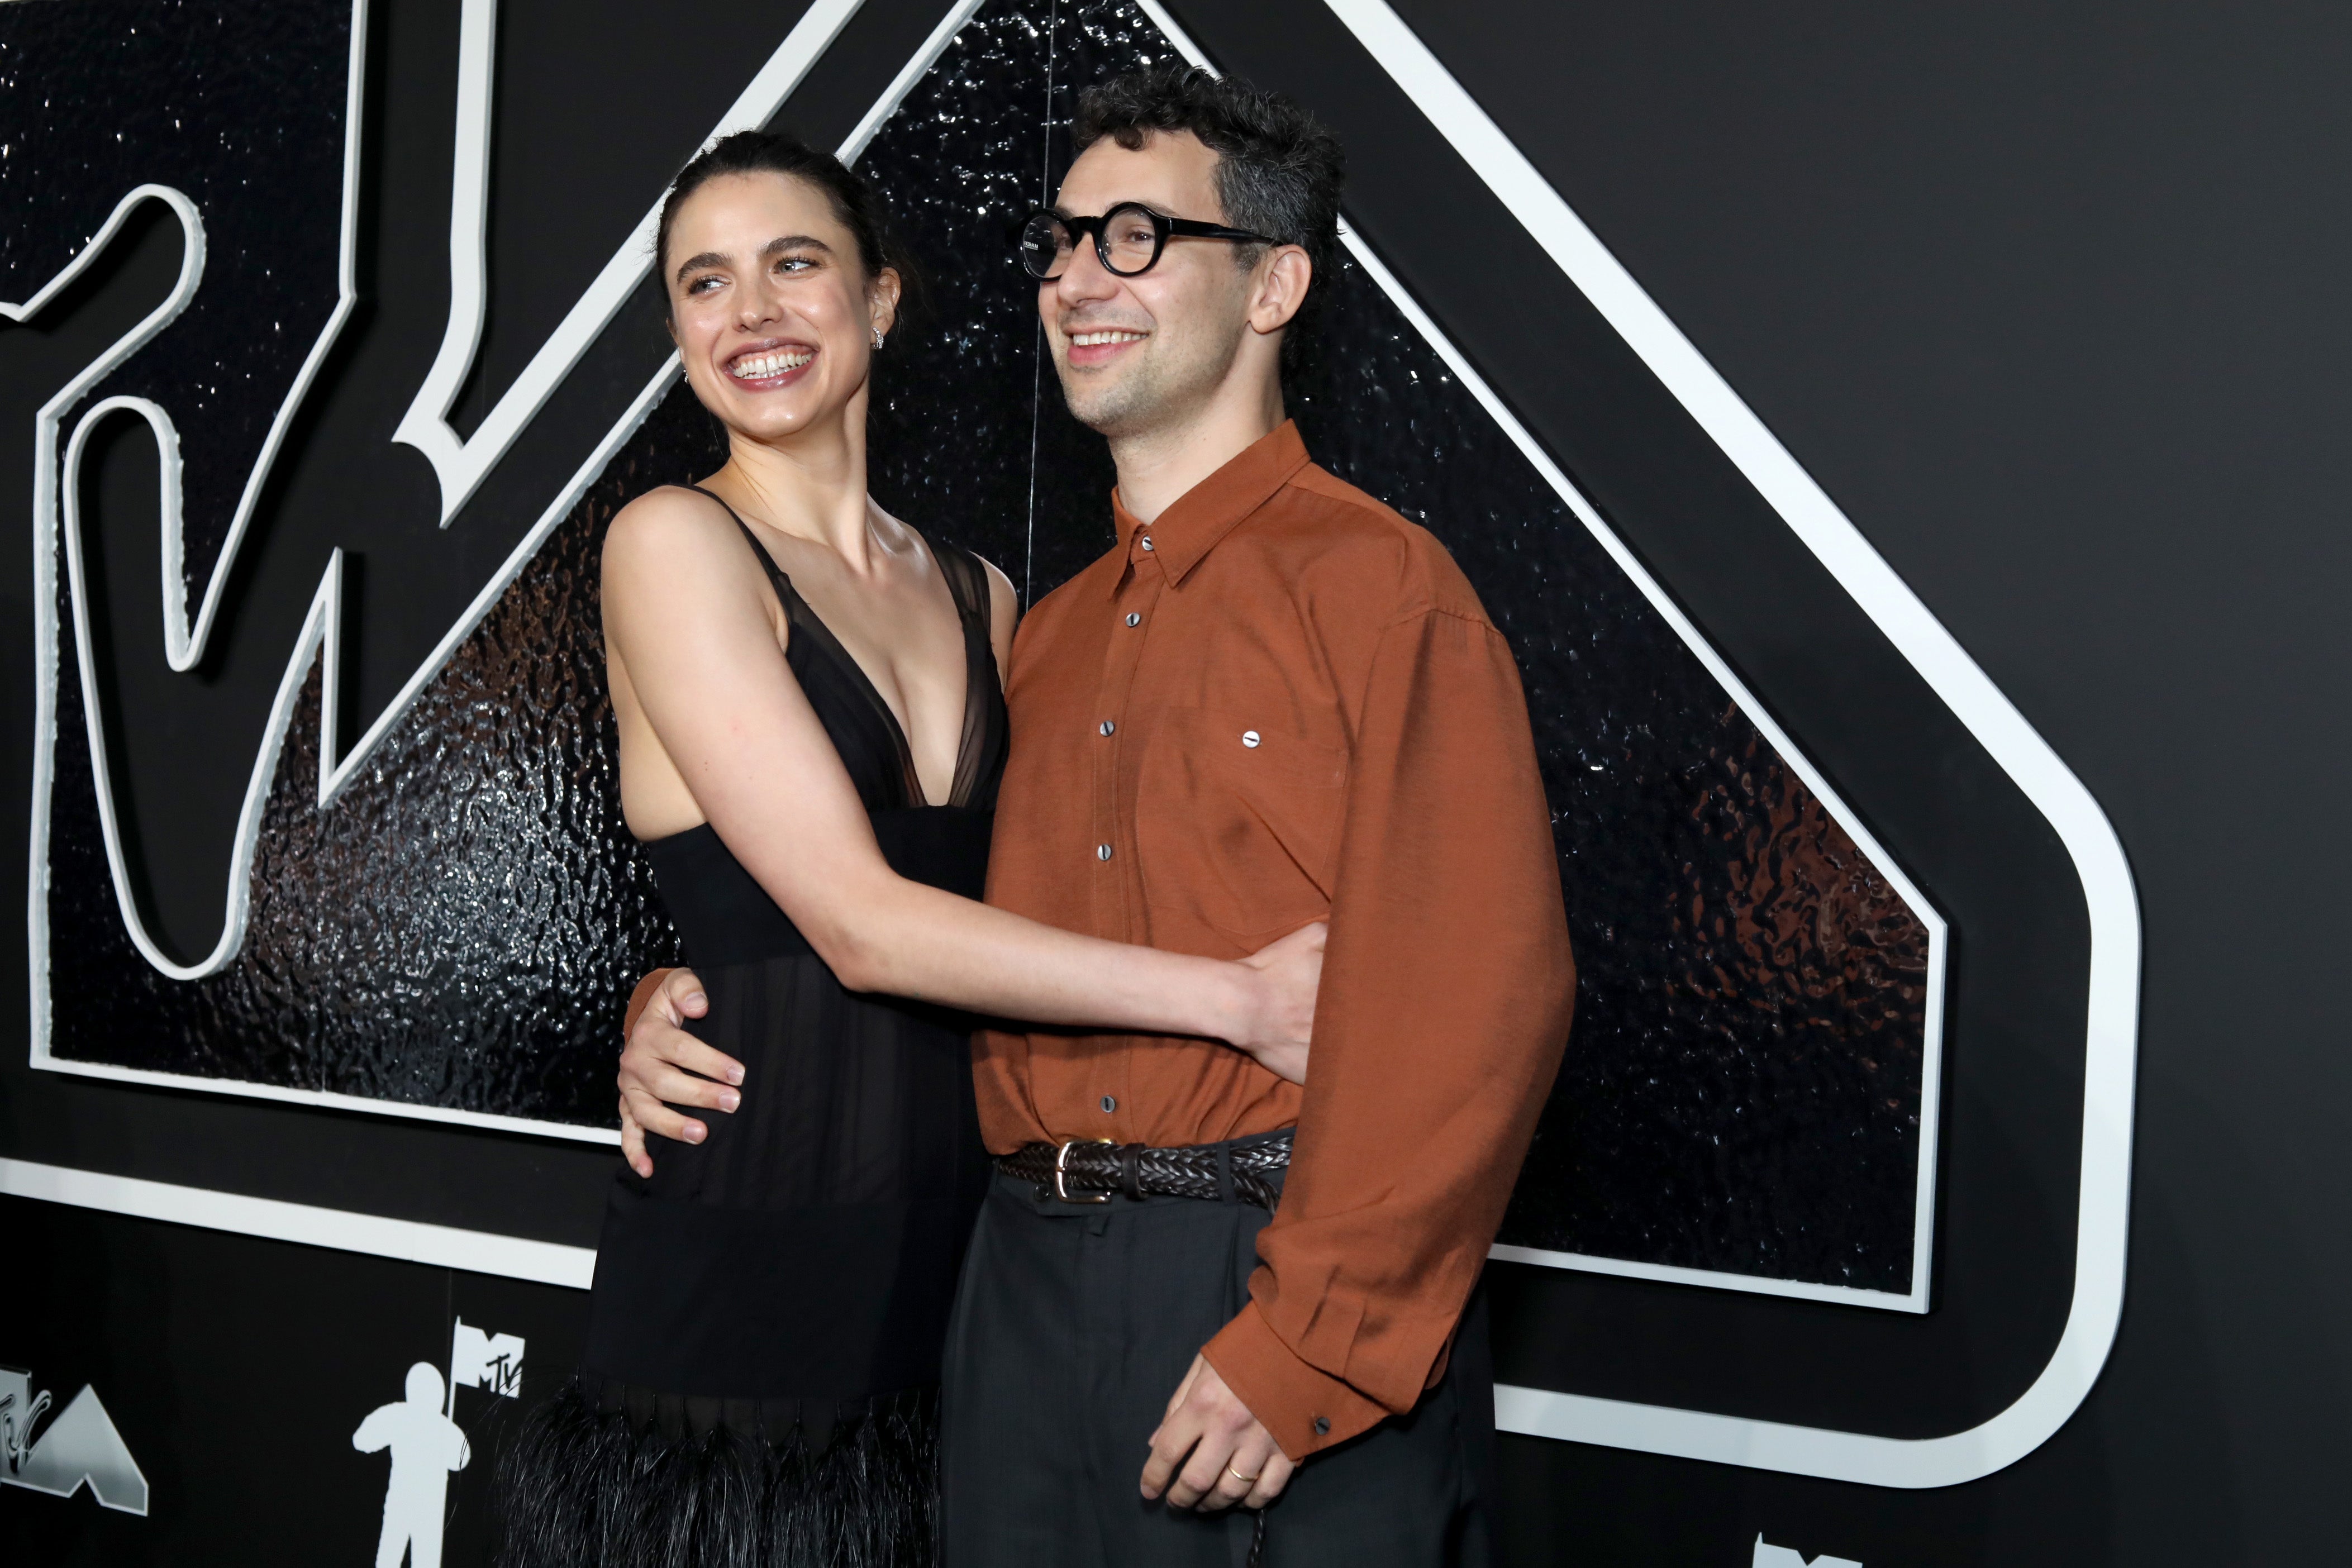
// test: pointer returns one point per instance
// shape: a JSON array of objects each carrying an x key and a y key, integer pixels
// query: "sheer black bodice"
[{"x": 724, "y": 915}]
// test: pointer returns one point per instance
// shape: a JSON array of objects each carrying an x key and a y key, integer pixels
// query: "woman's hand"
[{"x": 1279, "y": 1020}]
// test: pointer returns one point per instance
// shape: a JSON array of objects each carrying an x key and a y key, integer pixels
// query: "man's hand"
[
  {"x": 660, "y": 1064},
  {"x": 1233, "y": 1459}
]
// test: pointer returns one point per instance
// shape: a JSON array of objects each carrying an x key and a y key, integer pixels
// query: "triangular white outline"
[
  {"x": 1931, "y": 1070},
  {"x": 2112, "y": 1020}
]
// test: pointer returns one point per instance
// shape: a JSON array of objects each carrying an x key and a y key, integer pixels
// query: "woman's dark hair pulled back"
[{"x": 854, "y": 202}]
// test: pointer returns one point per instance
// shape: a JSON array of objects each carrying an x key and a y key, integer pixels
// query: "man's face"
[{"x": 1140, "y": 353}]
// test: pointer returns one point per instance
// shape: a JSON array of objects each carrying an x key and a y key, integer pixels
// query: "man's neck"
[{"x": 1157, "y": 467}]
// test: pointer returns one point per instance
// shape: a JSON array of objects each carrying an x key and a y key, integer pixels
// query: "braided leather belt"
[{"x": 1091, "y": 1172}]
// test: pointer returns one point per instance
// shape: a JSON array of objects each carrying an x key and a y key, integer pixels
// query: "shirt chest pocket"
[{"x": 1238, "y": 823}]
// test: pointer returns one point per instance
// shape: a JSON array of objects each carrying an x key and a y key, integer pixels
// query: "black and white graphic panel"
[
  {"x": 1772, "y": 786},
  {"x": 236, "y": 121},
  {"x": 443, "y": 947},
  {"x": 295, "y": 1405},
  {"x": 1750, "y": 1080}
]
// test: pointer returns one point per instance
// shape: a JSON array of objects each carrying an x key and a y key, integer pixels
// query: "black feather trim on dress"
[{"x": 617, "y": 1479}]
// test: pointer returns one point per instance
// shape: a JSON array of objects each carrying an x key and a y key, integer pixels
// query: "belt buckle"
[{"x": 1061, "y": 1174}]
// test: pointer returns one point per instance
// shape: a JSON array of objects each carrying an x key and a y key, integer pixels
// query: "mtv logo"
[
  {"x": 491, "y": 1362},
  {"x": 80, "y": 1445},
  {"x": 1790, "y": 1557}
]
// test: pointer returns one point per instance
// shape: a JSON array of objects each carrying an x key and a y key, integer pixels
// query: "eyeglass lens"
[{"x": 1130, "y": 236}]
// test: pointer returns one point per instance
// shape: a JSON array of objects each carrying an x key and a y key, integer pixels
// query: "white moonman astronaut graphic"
[
  {"x": 426, "y": 1447},
  {"x": 1770, "y": 1556}
]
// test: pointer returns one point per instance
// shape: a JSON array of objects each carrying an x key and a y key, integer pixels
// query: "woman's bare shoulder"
[
  {"x": 668, "y": 514},
  {"x": 671, "y": 527}
]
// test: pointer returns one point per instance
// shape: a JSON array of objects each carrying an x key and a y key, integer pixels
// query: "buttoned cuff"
[
  {"x": 1306, "y": 1408},
  {"x": 640, "y": 998}
]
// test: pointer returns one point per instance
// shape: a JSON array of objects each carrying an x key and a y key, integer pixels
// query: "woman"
[{"x": 812, "y": 731}]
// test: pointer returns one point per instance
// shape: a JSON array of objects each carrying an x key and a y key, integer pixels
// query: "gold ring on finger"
[{"x": 1245, "y": 1480}]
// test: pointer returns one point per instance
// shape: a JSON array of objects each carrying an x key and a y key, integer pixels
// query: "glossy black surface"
[
  {"x": 462, "y": 925},
  {"x": 1742, "y": 1089},
  {"x": 239, "y": 108}
]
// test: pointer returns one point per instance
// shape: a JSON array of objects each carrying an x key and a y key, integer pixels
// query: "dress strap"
[{"x": 967, "y": 583}]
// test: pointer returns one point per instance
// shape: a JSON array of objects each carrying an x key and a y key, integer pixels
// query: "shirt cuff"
[{"x": 1306, "y": 1408}]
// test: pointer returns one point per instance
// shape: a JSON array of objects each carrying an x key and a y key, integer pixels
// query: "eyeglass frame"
[{"x": 1163, "y": 229}]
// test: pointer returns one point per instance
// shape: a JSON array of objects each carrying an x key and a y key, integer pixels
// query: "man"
[{"x": 1274, "y": 701}]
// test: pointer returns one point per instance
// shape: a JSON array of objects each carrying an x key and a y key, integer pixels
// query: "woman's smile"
[{"x": 770, "y": 365}]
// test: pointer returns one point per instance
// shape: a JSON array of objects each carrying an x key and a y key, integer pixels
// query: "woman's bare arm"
[
  {"x": 665, "y": 1072},
  {"x": 688, "y": 613}
]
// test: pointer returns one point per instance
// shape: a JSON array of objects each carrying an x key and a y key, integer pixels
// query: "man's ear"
[{"x": 1283, "y": 279}]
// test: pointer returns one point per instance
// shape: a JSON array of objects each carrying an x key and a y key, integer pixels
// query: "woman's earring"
[{"x": 877, "y": 338}]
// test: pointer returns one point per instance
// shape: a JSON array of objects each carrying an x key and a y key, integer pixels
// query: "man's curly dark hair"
[{"x": 1279, "y": 169}]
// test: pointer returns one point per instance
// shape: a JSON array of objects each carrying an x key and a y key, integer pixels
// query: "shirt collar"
[{"x": 1193, "y": 524}]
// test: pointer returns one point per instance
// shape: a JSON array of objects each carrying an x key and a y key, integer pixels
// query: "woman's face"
[{"x": 769, "y": 306}]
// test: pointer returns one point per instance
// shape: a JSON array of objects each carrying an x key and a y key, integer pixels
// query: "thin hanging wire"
[{"x": 1037, "y": 353}]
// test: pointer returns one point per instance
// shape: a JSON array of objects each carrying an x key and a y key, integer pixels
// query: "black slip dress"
[{"x": 760, "y": 1383}]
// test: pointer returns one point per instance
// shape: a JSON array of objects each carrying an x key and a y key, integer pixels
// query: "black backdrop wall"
[{"x": 2043, "y": 308}]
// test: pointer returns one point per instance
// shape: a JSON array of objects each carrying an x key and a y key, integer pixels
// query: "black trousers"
[{"x": 1073, "y": 1326}]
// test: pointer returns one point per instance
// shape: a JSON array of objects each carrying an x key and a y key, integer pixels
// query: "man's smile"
[{"x": 1102, "y": 344}]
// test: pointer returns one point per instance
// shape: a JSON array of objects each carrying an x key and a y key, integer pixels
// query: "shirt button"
[
  {"x": 1108, "y": 726},
  {"x": 1146, "y": 541},
  {"x": 1322, "y": 1426},
  {"x": 1109, "y": 1103},
  {"x": 1249, "y": 739},
  {"x": 1133, "y": 618},
  {"x": 1102, "y": 852}
]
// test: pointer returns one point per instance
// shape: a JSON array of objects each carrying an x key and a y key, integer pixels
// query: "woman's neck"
[{"x": 810, "y": 484}]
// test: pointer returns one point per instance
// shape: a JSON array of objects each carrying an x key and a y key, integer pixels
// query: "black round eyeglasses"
[{"x": 1128, "y": 239}]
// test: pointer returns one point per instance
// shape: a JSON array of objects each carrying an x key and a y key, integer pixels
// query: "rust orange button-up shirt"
[{"x": 1280, "y": 702}]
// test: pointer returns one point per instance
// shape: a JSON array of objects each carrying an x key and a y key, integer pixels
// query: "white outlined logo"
[
  {"x": 79, "y": 1446},
  {"x": 480, "y": 1359}
]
